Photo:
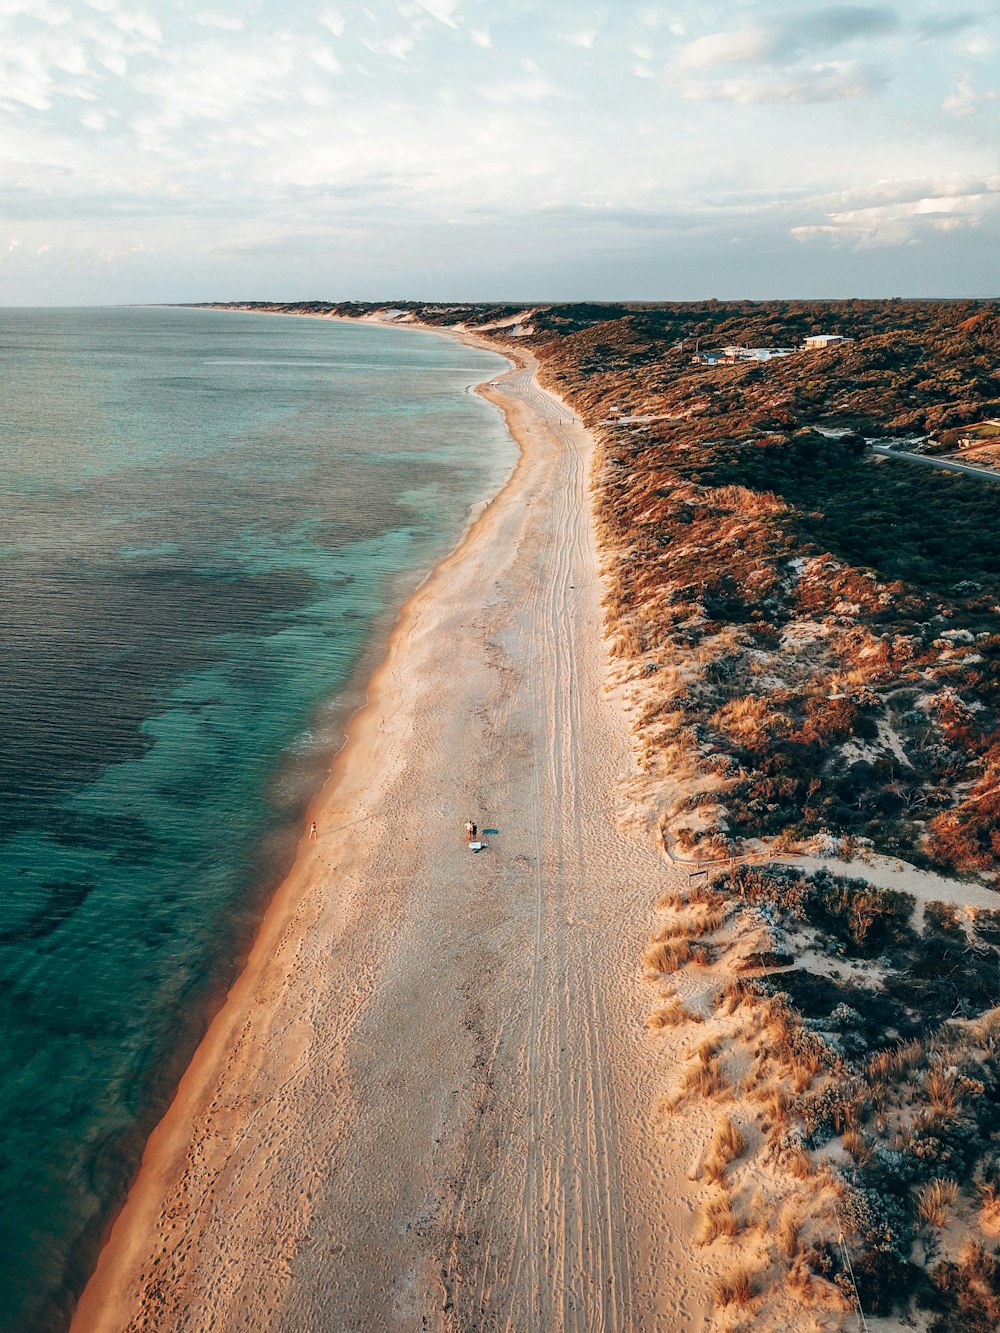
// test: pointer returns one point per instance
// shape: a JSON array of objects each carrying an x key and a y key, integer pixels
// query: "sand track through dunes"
[{"x": 427, "y": 1103}]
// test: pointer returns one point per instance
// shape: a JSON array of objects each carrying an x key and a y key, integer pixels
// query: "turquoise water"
[{"x": 209, "y": 522}]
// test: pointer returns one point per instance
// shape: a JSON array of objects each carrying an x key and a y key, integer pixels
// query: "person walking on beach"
[
  {"x": 312, "y": 829},
  {"x": 470, "y": 831}
]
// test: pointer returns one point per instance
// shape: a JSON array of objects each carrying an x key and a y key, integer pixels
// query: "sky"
[{"x": 522, "y": 150}]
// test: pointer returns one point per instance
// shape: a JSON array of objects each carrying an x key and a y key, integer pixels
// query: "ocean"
[{"x": 208, "y": 523}]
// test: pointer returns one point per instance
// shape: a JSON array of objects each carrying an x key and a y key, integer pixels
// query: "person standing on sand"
[
  {"x": 312, "y": 829},
  {"x": 470, "y": 831}
]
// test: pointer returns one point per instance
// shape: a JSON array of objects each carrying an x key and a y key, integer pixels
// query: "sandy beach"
[{"x": 428, "y": 1101}]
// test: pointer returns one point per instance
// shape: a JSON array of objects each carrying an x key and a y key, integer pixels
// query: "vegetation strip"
[{"x": 807, "y": 635}]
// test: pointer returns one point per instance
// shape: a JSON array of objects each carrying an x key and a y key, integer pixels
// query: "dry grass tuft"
[
  {"x": 673, "y": 930},
  {"x": 627, "y": 644},
  {"x": 704, "y": 1080},
  {"x": 705, "y": 894},
  {"x": 744, "y": 501},
  {"x": 941, "y": 1087},
  {"x": 671, "y": 1015},
  {"x": 709, "y": 923},
  {"x": 738, "y": 1288},
  {"x": 889, "y": 1067},
  {"x": 786, "y": 1233},
  {"x": 727, "y": 1144},
  {"x": 707, "y": 1050},
  {"x": 718, "y": 1219},
  {"x": 934, "y": 1201},
  {"x": 799, "y": 1164},
  {"x": 858, "y": 1146},
  {"x": 758, "y": 1215},
  {"x": 986, "y": 1027},
  {"x": 667, "y": 956},
  {"x": 735, "y": 994},
  {"x": 989, "y": 1208},
  {"x": 800, "y": 1277},
  {"x": 804, "y": 1070},
  {"x": 702, "y": 894},
  {"x": 691, "y": 926},
  {"x": 775, "y": 1109},
  {"x": 729, "y": 1138},
  {"x": 695, "y": 895}
]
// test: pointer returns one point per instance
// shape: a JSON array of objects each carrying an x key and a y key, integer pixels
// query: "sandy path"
[{"x": 427, "y": 1103}]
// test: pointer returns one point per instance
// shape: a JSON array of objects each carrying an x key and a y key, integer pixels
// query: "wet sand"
[{"x": 427, "y": 1103}]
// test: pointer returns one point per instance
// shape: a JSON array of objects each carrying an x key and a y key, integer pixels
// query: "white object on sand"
[{"x": 475, "y": 846}]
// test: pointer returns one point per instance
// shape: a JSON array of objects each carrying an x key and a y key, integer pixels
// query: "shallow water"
[{"x": 208, "y": 523}]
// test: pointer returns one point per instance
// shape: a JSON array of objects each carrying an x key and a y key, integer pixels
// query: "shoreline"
[
  {"x": 116, "y": 1249},
  {"x": 477, "y": 1019}
]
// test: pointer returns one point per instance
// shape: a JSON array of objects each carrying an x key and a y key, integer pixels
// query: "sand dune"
[{"x": 428, "y": 1101}]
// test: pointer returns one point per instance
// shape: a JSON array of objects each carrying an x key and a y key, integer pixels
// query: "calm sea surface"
[{"x": 207, "y": 523}]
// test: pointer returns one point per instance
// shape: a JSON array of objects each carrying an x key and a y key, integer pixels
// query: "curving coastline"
[
  {"x": 426, "y": 1100},
  {"x": 501, "y": 1149}
]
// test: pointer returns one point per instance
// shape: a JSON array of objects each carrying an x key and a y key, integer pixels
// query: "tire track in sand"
[{"x": 569, "y": 1260}]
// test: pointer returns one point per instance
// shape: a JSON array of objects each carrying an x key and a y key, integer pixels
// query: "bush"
[{"x": 881, "y": 1236}]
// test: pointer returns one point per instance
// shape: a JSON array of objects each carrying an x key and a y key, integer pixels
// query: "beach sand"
[{"x": 428, "y": 1102}]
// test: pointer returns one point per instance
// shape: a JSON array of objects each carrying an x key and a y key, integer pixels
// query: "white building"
[
  {"x": 819, "y": 342},
  {"x": 755, "y": 353},
  {"x": 730, "y": 355}
]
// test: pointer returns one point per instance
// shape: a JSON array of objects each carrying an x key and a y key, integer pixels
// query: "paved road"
[{"x": 942, "y": 464}]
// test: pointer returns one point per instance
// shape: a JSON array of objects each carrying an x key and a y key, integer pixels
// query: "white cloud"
[
  {"x": 225, "y": 22},
  {"x": 38, "y": 64},
  {"x": 980, "y": 46},
  {"x": 836, "y": 81},
  {"x": 962, "y": 102},
  {"x": 136, "y": 23},
  {"x": 109, "y": 255},
  {"x": 742, "y": 47},
  {"x": 965, "y": 100},
  {"x": 39, "y": 11},
  {"x": 326, "y": 58},
  {"x": 397, "y": 47},
  {"x": 585, "y": 38},
  {"x": 333, "y": 20},
  {"x": 528, "y": 89},
  {"x": 532, "y": 87},
  {"x": 215, "y": 81},
  {"x": 442, "y": 10},
  {"x": 788, "y": 58},
  {"x": 480, "y": 37},
  {"x": 789, "y": 38},
  {"x": 114, "y": 61},
  {"x": 897, "y": 213}
]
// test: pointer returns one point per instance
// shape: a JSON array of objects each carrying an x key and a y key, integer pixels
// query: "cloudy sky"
[{"x": 497, "y": 149}]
